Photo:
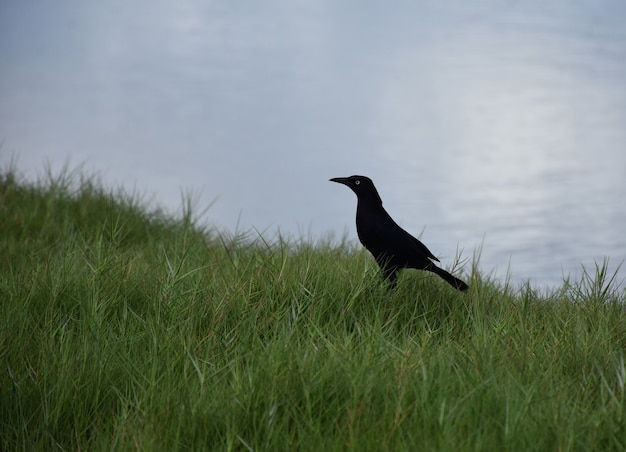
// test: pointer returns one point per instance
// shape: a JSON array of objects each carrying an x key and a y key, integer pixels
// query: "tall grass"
[{"x": 126, "y": 329}]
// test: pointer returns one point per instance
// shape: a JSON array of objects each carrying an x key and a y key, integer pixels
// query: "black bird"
[{"x": 392, "y": 247}]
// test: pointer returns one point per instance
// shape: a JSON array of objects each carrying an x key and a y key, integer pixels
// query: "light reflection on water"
[{"x": 490, "y": 123}]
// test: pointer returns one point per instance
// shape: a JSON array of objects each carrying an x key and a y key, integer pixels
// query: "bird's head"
[{"x": 362, "y": 186}]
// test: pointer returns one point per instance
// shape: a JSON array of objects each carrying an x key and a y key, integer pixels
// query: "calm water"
[{"x": 499, "y": 124}]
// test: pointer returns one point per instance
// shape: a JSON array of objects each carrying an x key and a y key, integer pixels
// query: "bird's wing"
[
  {"x": 423, "y": 247},
  {"x": 387, "y": 236}
]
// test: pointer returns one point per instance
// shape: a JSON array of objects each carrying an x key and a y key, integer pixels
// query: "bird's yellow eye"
[{"x": 357, "y": 182}]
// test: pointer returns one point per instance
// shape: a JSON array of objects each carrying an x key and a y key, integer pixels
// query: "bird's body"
[{"x": 392, "y": 247}]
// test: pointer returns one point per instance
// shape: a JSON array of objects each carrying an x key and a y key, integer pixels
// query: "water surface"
[{"x": 493, "y": 124}]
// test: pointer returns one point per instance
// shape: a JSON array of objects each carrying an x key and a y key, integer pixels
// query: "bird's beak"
[{"x": 340, "y": 180}]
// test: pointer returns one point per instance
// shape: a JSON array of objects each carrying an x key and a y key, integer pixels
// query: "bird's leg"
[{"x": 390, "y": 273}]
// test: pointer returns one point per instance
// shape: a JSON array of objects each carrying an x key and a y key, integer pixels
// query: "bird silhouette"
[{"x": 392, "y": 247}]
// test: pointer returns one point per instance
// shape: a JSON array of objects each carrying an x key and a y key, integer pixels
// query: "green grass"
[{"x": 124, "y": 329}]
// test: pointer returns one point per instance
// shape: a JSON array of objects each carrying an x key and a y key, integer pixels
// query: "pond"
[{"x": 497, "y": 126}]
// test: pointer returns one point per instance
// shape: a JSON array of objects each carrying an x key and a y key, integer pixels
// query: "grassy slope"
[{"x": 127, "y": 330}]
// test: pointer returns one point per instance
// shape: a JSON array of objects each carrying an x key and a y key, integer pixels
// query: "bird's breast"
[{"x": 368, "y": 229}]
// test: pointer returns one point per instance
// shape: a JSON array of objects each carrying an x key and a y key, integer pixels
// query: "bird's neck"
[{"x": 372, "y": 202}]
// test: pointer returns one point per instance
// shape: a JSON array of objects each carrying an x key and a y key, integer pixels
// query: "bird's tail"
[{"x": 453, "y": 281}]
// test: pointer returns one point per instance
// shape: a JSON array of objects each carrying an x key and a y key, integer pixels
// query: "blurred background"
[{"x": 489, "y": 124}]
